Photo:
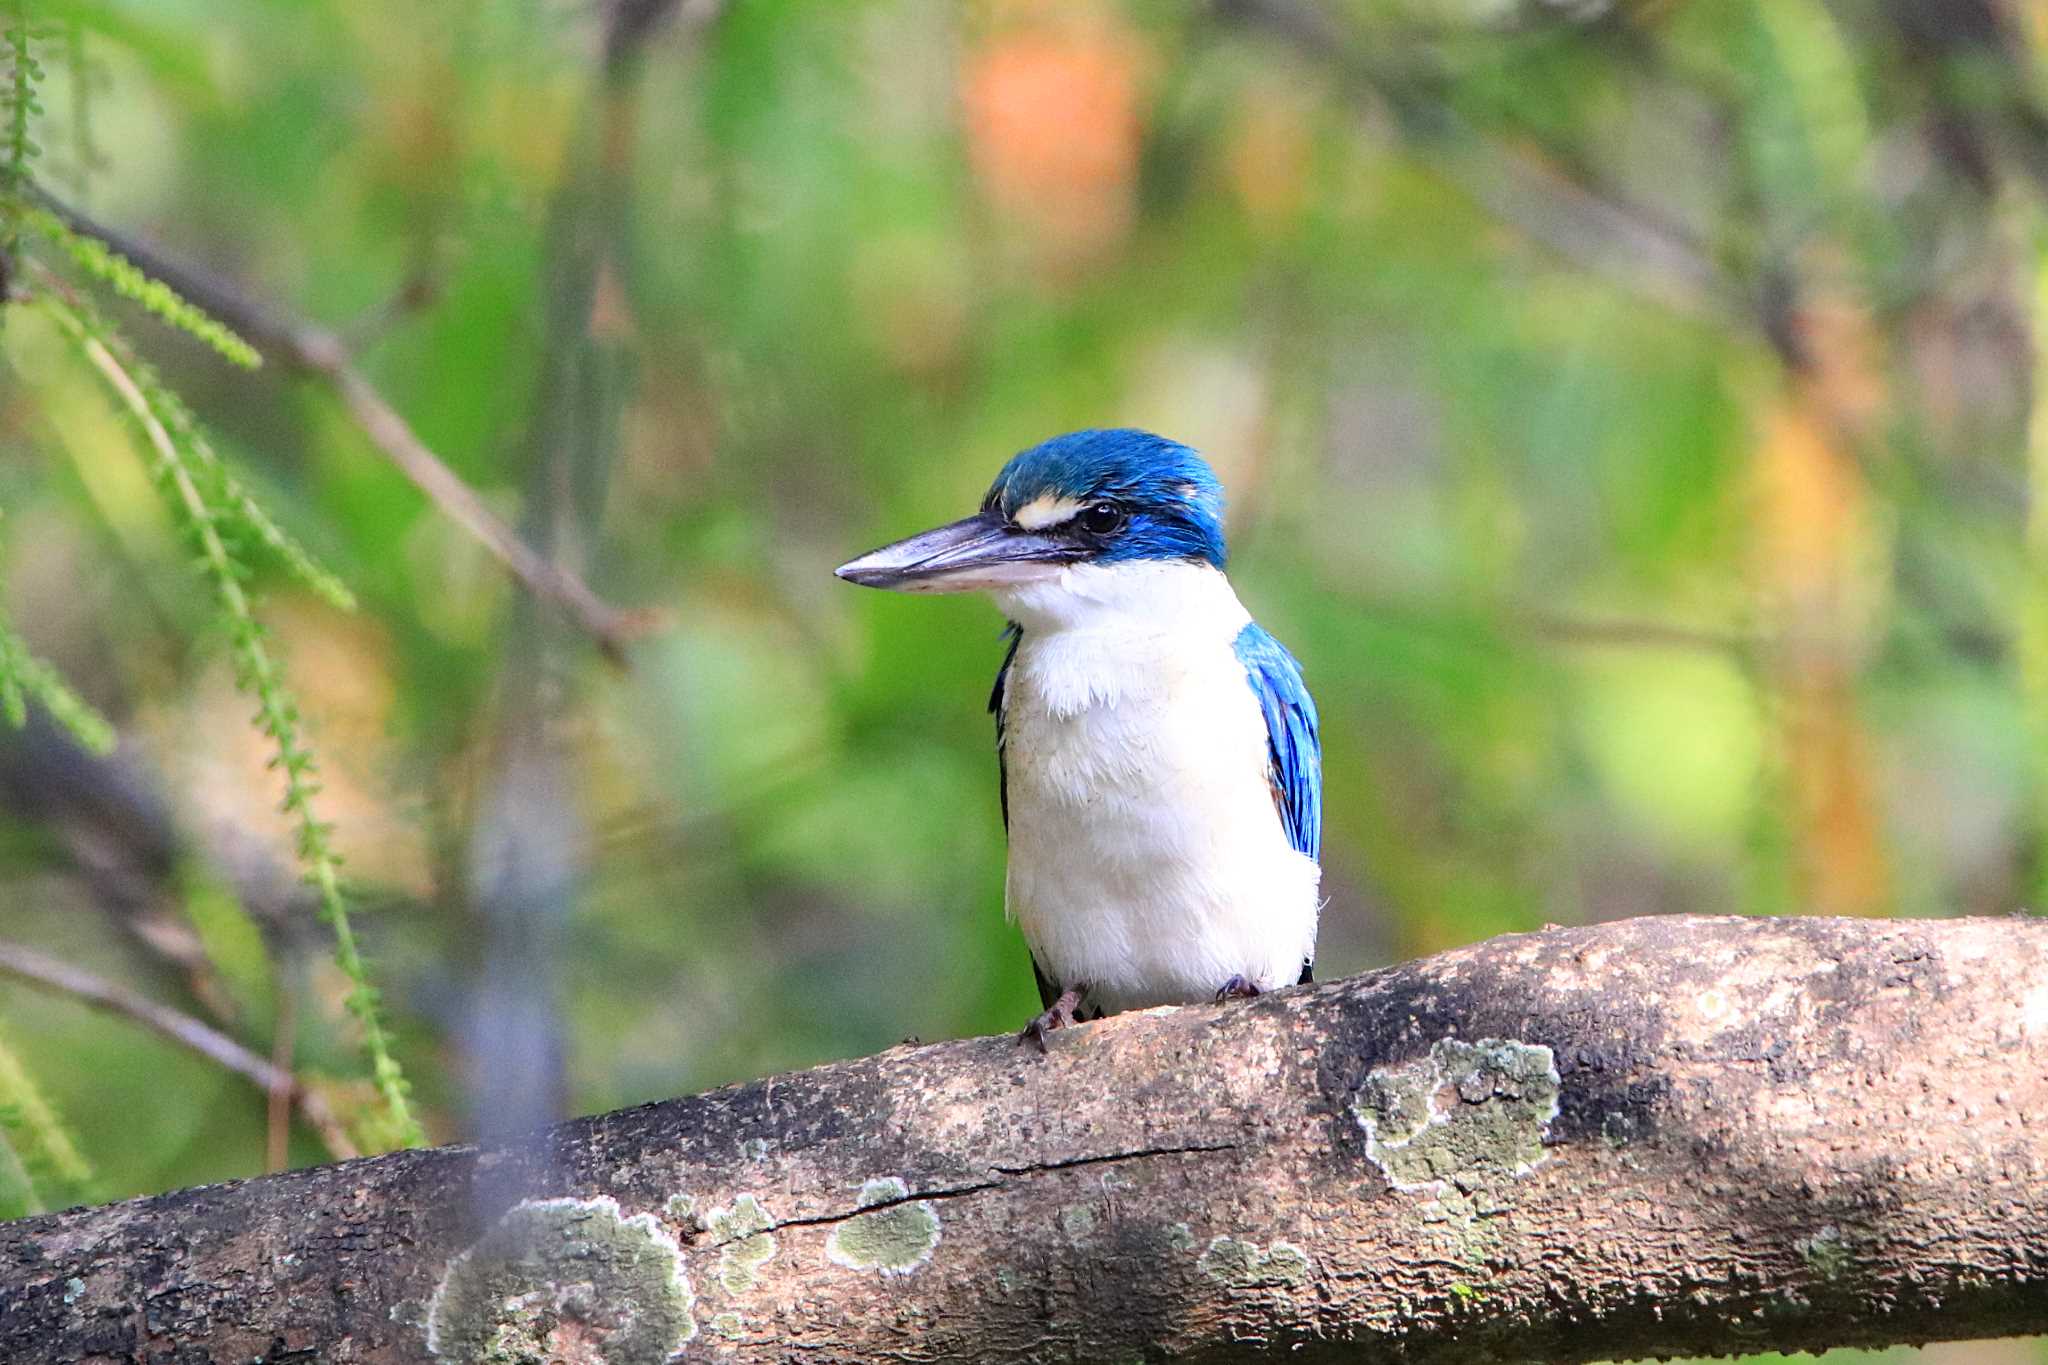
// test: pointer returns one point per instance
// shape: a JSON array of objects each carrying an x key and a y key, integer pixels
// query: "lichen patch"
[
  {"x": 897, "y": 1237},
  {"x": 564, "y": 1279},
  {"x": 1827, "y": 1253},
  {"x": 1463, "y": 1118},
  {"x": 1242, "y": 1264},
  {"x": 745, "y": 1243}
]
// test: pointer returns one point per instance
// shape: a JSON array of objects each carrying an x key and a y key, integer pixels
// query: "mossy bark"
[{"x": 1654, "y": 1137}]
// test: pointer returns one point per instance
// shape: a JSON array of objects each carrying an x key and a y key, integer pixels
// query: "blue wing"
[{"x": 1293, "y": 747}]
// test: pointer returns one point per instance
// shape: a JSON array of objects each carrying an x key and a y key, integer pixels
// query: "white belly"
[{"x": 1147, "y": 859}]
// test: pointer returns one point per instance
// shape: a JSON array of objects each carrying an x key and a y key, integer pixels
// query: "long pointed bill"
[{"x": 981, "y": 551}]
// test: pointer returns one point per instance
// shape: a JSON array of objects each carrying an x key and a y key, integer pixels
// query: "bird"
[{"x": 1158, "y": 753}]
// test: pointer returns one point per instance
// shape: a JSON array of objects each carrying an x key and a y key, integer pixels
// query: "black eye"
[{"x": 1104, "y": 518}]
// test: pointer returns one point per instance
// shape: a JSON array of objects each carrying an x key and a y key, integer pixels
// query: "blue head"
[
  {"x": 1112, "y": 496},
  {"x": 1129, "y": 495}
]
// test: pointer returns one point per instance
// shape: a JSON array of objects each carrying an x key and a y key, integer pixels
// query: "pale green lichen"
[
  {"x": 557, "y": 1274},
  {"x": 1826, "y": 1253},
  {"x": 1180, "y": 1237},
  {"x": 745, "y": 1243},
  {"x": 1078, "y": 1222},
  {"x": 728, "y": 1326},
  {"x": 1463, "y": 1119},
  {"x": 896, "y": 1238},
  {"x": 1241, "y": 1264},
  {"x": 682, "y": 1208}
]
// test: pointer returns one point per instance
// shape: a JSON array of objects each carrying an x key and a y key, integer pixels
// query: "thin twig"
[
  {"x": 24, "y": 963},
  {"x": 322, "y": 354},
  {"x": 1628, "y": 632},
  {"x": 610, "y": 627},
  {"x": 416, "y": 292}
]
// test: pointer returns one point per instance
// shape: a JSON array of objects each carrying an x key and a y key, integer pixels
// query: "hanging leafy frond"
[
  {"x": 225, "y": 492},
  {"x": 99, "y": 262},
  {"x": 45, "y": 1161},
  {"x": 203, "y": 505},
  {"x": 21, "y": 109},
  {"x": 239, "y": 510},
  {"x": 24, "y": 74},
  {"x": 296, "y": 558},
  {"x": 23, "y": 675},
  {"x": 18, "y": 1194}
]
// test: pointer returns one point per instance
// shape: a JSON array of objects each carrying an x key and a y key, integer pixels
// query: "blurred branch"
[
  {"x": 526, "y": 855},
  {"x": 1589, "y": 226},
  {"x": 1656, "y": 1137},
  {"x": 416, "y": 291},
  {"x": 321, "y": 354},
  {"x": 630, "y": 23},
  {"x": 26, "y": 964},
  {"x": 1555, "y": 628},
  {"x": 1969, "y": 65},
  {"x": 611, "y": 628},
  {"x": 106, "y": 815}
]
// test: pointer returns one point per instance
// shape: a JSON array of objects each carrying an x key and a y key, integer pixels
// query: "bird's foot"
[
  {"x": 1060, "y": 1015},
  {"x": 1237, "y": 988}
]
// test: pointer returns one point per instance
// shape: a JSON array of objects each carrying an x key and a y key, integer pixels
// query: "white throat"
[
  {"x": 1146, "y": 596},
  {"x": 1101, "y": 634}
]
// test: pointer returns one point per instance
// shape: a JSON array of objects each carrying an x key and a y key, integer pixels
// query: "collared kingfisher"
[{"x": 1158, "y": 752}]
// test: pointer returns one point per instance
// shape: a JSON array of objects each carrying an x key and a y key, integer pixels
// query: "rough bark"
[{"x": 1651, "y": 1137}]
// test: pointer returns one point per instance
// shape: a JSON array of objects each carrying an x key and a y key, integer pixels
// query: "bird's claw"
[
  {"x": 1059, "y": 1015},
  {"x": 1237, "y": 988}
]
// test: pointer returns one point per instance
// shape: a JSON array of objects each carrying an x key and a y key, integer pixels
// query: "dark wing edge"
[
  {"x": 997, "y": 702},
  {"x": 1048, "y": 989}
]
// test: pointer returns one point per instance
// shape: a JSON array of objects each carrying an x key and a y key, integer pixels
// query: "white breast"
[{"x": 1147, "y": 860}]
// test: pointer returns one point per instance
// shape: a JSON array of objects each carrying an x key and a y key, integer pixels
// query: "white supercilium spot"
[{"x": 1046, "y": 510}]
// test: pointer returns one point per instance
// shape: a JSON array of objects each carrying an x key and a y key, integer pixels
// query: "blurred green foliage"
[{"x": 1625, "y": 408}]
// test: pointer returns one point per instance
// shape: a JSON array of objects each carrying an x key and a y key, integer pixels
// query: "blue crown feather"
[{"x": 1173, "y": 499}]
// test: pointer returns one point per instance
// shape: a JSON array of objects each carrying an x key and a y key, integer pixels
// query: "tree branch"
[{"x": 1648, "y": 1138}]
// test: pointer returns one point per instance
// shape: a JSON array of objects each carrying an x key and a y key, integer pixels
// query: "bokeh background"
[{"x": 1627, "y": 408}]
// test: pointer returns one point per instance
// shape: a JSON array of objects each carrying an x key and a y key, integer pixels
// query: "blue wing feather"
[{"x": 1293, "y": 744}]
